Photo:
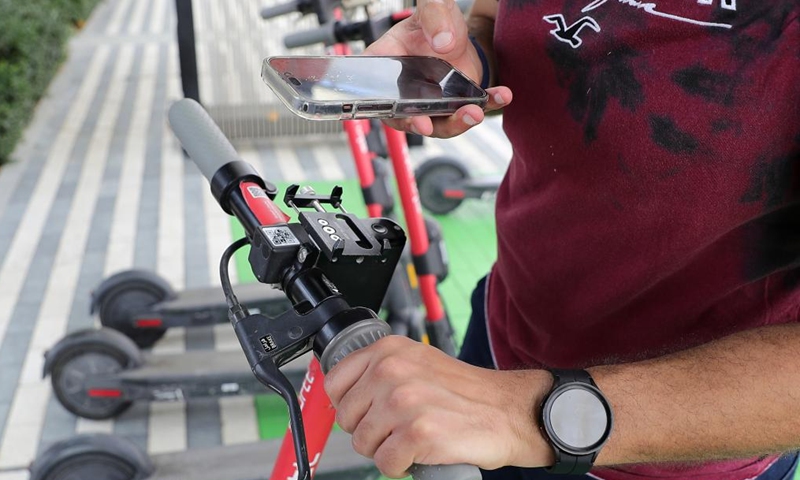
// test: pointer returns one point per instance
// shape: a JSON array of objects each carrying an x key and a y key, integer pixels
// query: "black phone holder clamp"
[{"x": 325, "y": 263}]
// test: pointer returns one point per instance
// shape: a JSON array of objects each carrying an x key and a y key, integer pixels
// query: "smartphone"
[{"x": 348, "y": 87}]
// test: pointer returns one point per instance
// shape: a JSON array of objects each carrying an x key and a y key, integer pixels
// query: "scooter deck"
[
  {"x": 196, "y": 363},
  {"x": 195, "y": 374},
  {"x": 254, "y": 461},
  {"x": 488, "y": 182},
  {"x": 200, "y": 364},
  {"x": 249, "y": 294}
]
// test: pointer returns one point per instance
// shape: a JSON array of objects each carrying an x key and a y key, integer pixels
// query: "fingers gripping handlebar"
[{"x": 320, "y": 263}]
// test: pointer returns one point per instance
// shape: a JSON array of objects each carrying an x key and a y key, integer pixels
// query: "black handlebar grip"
[
  {"x": 202, "y": 139},
  {"x": 363, "y": 334},
  {"x": 280, "y": 9},
  {"x": 324, "y": 34}
]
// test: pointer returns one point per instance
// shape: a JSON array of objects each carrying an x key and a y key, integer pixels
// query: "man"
[{"x": 643, "y": 308}]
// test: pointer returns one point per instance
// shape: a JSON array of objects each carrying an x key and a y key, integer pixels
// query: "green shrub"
[
  {"x": 74, "y": 11},
  {"x": 32, "y": 38}
]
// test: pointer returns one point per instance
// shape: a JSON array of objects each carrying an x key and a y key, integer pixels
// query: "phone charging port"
[{"x": 377, "y": 107}]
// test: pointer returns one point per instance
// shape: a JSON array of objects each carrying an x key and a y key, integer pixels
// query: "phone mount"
[{"x": 325, "y": 262}]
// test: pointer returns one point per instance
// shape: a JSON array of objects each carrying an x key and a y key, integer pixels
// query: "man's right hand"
[{"x": 437, "y": 28}]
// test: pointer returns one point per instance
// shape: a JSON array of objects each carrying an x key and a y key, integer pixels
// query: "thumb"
[{"x": 441, "y": 22}]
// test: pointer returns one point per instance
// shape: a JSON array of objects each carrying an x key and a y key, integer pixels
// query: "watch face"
[{"x": 577, "y": 419}]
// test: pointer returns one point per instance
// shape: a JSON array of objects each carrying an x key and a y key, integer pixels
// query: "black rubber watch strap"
[
  {"x": 561, "y": 377},
  {"x": 565, "y": 464}
]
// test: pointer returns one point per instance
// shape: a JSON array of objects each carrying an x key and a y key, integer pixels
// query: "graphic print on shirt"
[{"x": 570, "y": 33}]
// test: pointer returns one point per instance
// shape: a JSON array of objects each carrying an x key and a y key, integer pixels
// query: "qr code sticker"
[
  {"x": 257, "y": 192},
  {"x": 280, "y": 236}
]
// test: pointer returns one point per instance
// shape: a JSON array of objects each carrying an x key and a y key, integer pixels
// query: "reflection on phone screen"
[{"x": 354, "y": 78}]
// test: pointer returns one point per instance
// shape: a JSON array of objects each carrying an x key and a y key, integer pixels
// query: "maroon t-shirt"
[{"x": 653, "y": 200}]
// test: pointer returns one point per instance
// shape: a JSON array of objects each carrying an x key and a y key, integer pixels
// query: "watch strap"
[
  {"x": 568, "y": 464},
  {"x": 563, "y": 376}
]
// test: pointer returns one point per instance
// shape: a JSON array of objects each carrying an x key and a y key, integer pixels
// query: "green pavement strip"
[{"x": 471, "y": 246}]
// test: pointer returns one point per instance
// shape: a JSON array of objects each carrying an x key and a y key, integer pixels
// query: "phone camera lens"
[{"x": 294, "y": 81}]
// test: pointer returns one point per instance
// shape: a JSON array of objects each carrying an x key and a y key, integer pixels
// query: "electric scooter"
[
  {"x": 444, "y": 184},
  {"x": 324, "y": 263},
  {"x": 143, "y": 305},
  {"x": 99, "y": 373}
]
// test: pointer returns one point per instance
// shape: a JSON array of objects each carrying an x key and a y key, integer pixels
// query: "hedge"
[{"x": 33, "y": 34}]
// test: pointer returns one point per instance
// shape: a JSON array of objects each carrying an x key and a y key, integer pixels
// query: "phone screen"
[{"x": 353, "y": 78}]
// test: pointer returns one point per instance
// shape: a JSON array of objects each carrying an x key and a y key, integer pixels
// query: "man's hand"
[
  {"x": 408, "y": 403},
  {"x": 437, "y": 28}
]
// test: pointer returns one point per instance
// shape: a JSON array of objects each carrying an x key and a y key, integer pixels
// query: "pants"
[{"x": 475, "y": 350}]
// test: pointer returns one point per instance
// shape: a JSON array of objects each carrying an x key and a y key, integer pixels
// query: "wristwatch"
[{"x": 576, "y": 419}]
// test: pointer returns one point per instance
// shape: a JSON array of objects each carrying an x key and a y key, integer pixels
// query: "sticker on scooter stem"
[
  {"x": 280, "y": 236},
  {"x": 257, "y": 192}
]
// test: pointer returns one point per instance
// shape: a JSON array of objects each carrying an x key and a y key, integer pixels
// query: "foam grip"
[
  {"x": 201, "y": 137},
  {"x": 280, "y": 9},
  {"x": 325, "y": 34}
]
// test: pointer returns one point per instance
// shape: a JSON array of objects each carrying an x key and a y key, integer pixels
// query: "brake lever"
[{"x": 268, "y": 373}]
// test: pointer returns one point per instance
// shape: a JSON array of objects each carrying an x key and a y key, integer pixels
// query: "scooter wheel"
[
  {"x": 94, "y": 465},
  {"x": 433, "y": 177},
  {"x": 72, "y": 368},
  {"x": 92, "y": 456},
  {"x": 127, "y": 294}
]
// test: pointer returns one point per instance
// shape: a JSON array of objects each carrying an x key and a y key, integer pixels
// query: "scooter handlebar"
[
  {"x": 363, "y": 334},
  {"x": 202, "y": 139},
  {"x": 210, "y": 149},
  {"x": 280, "y": 9},
  {"x": 324, "y": 34}
]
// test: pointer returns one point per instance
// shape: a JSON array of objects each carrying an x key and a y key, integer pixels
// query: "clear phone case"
[{"x": 348, "y": 87}]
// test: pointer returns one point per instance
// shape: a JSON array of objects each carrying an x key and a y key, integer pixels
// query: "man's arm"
[
  {"x": 408, "y": 403},
  {"x": 734, "y": 397},
  {"x": 480, "y": 24}
]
